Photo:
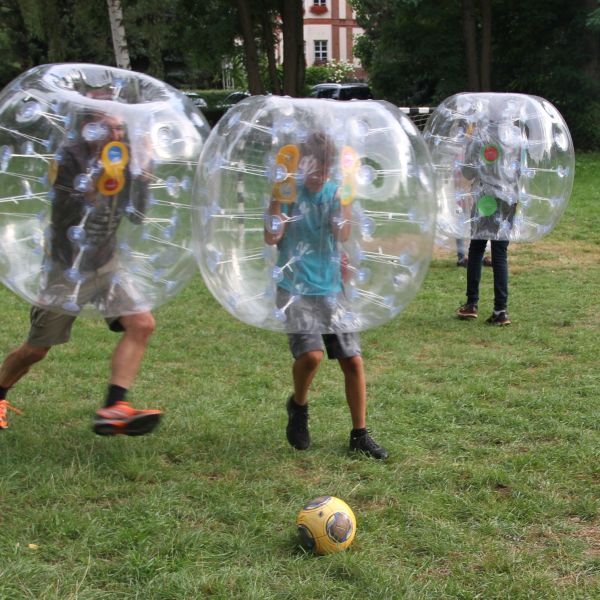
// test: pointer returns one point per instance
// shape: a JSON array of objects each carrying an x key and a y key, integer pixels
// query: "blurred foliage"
[{"x": 180, "y": 41}]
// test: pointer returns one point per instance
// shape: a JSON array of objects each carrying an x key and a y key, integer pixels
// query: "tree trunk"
[
  {"x": 250, "y": 49},
  {"x": 592, "y": 45},
  {"x": 470, "y": 38},
  {"x": 269, "y": 43},
  {"x": 293, "y": 47},
  {"x": 486, "y": 46},
  {"x": 115, "y": 13}
]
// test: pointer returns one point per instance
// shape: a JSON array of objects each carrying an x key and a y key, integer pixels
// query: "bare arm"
[
  {"x": 342, "y": 225},
  {"x": 274, "y": 216}
]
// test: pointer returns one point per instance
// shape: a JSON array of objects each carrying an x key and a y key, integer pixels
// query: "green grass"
[{"x": 491, "y": 490}]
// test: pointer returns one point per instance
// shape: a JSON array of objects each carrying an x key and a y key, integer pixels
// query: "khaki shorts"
[
  {"x": 101, "y": 288},
  {"x": 51, "y": 328},
  {"x": 107, "y": 287}
]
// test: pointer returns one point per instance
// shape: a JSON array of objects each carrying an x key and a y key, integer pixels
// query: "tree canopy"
[
  {"x": 419, "y": 52},
  {"x": 184, "y": 42}
]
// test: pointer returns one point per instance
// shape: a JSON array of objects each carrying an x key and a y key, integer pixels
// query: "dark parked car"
[
  {"x": 342, "y": 91},
  {"x": 232, "y": 99},
  {"x": 198, "y": 100}
]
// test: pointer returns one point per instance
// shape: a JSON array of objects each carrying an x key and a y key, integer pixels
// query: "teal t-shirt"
[{"x": 308, "y": 254}]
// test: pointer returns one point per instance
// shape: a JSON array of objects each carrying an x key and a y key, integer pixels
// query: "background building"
[{"x": 329, "y": 32}]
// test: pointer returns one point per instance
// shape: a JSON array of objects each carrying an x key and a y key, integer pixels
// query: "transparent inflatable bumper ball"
[
  {"x": 505, "y": 166},
  {"x": 314, "y": 215},
  {"x": 96, "y": 171}
]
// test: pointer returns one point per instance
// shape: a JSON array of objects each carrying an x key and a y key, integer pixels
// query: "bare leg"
[
  {"x": 128, "y": 354},
  {"x": 304, "y": 370},
  {"x": 356, "y": 389},
  {"x": 19, "y": 361}
]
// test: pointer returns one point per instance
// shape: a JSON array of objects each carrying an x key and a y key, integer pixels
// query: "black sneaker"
[
  {"x": 462, "y": 262},
  {"x": 467, "y": 311},
  {"x": 367, "y": 445},
  {"x": 297, "y": 427},
  {"x": 499, "y": 318}
]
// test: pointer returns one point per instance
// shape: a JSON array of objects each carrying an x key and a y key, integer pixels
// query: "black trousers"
[{"x": 499, "y": 266}]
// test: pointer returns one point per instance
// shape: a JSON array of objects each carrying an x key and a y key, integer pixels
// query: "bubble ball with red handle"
[
  {"x": 505, "y": 165},
  {"x": 96, "y": 172}
]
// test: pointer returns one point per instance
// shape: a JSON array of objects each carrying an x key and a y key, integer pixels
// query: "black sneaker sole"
[
  {"x": 384, "y": 455},
  {"x": 466, "y": 317},
  {"x": 138, "y": 425}
]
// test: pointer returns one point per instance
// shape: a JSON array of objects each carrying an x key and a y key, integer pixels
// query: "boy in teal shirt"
[{"x": 308, "y": 226}]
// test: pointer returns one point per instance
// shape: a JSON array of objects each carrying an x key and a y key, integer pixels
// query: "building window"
[
  {"x": 320, "y": 51},
  {"x": 319, "y": 7}
]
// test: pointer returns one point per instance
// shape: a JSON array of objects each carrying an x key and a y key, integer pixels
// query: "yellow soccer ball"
[{"x": 326, "y": 525}]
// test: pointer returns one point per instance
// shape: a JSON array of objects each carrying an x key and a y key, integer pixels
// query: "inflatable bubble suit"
[
  {"x": 96, "y": 171},
  {"x": 314, "y": 215},
  {"x": 505, "y": 166}
]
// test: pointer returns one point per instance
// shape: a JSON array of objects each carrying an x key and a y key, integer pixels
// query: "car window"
[
  {"x": 356, "y": 93},
  {"x": 196, "y": 99},
  {"x": 237, "y": 97},
  {"x": 342, "y": 92},
  {"x": 327, "y": 93}
]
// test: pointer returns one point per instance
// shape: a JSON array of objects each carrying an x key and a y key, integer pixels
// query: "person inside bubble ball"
[
  {"x": 491, "y": 174},
  {"x": 91, "y": 194},
  {"x": 325, "y": 222}
]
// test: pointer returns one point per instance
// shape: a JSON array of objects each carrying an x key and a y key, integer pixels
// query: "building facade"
[{"x": 330, "y": 30}]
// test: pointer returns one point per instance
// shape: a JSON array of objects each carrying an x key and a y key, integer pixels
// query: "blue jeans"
[
  {"x": 500, "y": 269},
  {"x": 460, "y": 248}
]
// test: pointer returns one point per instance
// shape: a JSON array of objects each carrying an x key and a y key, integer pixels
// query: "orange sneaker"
[
  {"x": 122, "y": 418},
  {"x": 4, "y": 407}
]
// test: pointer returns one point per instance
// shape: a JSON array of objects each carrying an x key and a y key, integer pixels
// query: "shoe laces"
[
  {"x": 298, "y": 419},
  {"x": 5, "y": 404},
  {"x": 120, "y": 409},
  {"x": 366, "y": 442}
]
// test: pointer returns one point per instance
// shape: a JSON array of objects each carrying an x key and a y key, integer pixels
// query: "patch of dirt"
[
  {"x": 546, "y": 254},
  {"x": 590, "y": 534}
]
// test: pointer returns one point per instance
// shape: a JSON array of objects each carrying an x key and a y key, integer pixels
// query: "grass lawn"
[{"x": 491, "y": 490}]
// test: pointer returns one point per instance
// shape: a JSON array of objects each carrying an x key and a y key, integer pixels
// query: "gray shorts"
[
  {"x": 311, "y": 317},
  {"x": 338, "y": 345}
]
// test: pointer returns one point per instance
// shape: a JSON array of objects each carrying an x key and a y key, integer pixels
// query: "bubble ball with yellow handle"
[
  {"x": 296, "y": 192},
  {"x": 96, "y": 170}
]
